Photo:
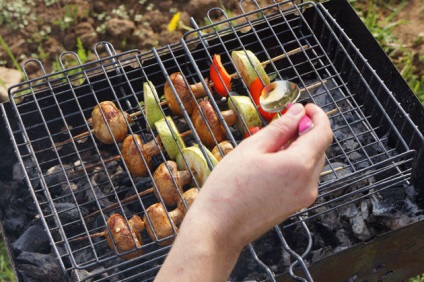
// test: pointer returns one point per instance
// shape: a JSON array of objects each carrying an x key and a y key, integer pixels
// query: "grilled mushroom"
[
  {"x": 125, "y": 236},
  {"x": 169, "y": 181},
  {"x": 184, "y": 92},
  {"x": 163, "y": 226},
  {"x": 114, "y": 119},
  {"x": 138, "y": 163},
  {"x": 213, "y": 121},
  {"x": 225, "y": 147}
]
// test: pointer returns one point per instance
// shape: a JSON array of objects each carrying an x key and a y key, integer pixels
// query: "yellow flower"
[{"x": 173, "y": 24}]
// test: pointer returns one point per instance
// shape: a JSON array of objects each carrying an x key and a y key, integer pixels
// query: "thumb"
[{"x": 276, "y": 135}]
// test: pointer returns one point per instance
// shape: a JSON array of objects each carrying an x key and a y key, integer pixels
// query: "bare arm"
[{"x": 258, "y": 185}]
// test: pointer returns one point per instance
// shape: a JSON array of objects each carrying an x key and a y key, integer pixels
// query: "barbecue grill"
[{"x": 370, "y": 190}]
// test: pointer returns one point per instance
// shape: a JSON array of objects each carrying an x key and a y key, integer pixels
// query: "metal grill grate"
[{"x": 375, "y": 143}]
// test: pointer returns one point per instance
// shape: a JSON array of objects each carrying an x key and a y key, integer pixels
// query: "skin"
[{"x": 260, "y": 184}]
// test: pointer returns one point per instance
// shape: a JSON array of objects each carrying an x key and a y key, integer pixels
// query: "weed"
[
  {"x": 11, "y": 56},
  {"x": 6, "y": 272},
  {"x": 71, "y": 15},
  {"x": 122, "y": 12},
  {"x": 49, "y": 2},
  {"x": 16, "y": 14},
  {"x": 379, "y": 19}
]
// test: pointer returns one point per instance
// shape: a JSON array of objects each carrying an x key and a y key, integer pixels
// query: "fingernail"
[
  {"x": 305, "y": 125},
  {"x": 294, "y": 109}
]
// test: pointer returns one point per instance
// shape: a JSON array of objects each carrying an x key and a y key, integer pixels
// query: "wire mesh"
[{"x": 78, "y": 182}]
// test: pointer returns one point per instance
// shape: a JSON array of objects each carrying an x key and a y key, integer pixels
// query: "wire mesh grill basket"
[{"x": 78, "y": 182}]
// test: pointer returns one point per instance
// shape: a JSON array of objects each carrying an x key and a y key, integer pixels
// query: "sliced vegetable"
[
  {"x": 220, "y": 77},
  {"x": 170, "y": 137},
  {"x": 248, "y": 112},
  {"x": 249, "y": 67},
  {"x": 151, "y": 104},
  {"x": 255, "y": 90},
  {"x": 196, "y": 162}
]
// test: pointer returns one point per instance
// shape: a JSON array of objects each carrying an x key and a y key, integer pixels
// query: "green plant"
[
  {"x": 11, "y": 56},
  {"x": 379, "y": 17},
  {"x": 71, "y": 15},
  {"x": 16, "y": 14},
  {"x": 418, "y": 278},
  {"x": 6, "y": 272}
]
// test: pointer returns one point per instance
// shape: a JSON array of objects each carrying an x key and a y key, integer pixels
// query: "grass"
[
  {"x": 378, "y": 15},
  {"x": 380, "y": 18},
  {"x": 6, "y": 272}
]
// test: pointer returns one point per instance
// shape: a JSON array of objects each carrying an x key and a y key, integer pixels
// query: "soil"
[
  {"x": 128, "y": 24},
  {"x": 411, "y": 33},
  {"x": 134, "y": 24}
]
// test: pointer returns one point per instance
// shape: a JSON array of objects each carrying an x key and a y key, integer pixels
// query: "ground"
[
  {"x": 51, "y": 27},
  {"x": 43, "y": 29},
  {"x": 411, "y": 32}
]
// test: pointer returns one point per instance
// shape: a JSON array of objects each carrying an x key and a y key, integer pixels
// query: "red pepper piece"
[
  {"x": 220, "y": 77},
  {"x": 252, "y": 131},
  {"x": 255, "y": 90}
]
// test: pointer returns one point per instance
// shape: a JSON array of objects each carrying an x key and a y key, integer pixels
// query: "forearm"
[{"x": 199, "y": 252}]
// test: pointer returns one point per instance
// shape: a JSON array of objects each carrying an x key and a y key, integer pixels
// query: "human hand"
[{"x": 264, "y": 180}]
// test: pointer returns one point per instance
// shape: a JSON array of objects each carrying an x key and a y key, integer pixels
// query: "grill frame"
[{"x": 114, "y": 56}]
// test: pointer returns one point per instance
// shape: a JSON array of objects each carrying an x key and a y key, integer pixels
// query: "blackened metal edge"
[
  {"x": 362, "y": 38},
  {"x": 393, "y": 256},
  {"x": 390, "y": 257},
  {"x": 6, "y": 144}
]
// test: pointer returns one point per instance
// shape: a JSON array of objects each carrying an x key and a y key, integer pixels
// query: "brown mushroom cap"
[
  {"x": 225, "y": 147},
  {"x": 164, "y": 177},
  {"x": 132, "y": 157},
  {"x": 214, "y": 123},
  {"x": 125, "y": 236},
  {"x": 189, "y": 196},
  {"x": 113, "y": 118},
  {"x": 185, "y": 93},
  {"x": 161, "y": 225}
]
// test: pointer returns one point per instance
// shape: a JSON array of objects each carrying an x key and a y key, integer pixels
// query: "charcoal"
[
  {"x": 359, "y": 228},
  {"x": 101, "y": 178},
  {"x": 14, "y": 221},
  {"x": 68, "y": 212},
  {"x": 98, "y": 195},
  {"x": 388, "y": 212},
  {"x": 84, "y": 255},
  {"x": 31, "y": 170},
  {"x": 357, "y": 221},
  {"x": 33, "y": 266},
  {"x": 34, "y": 239},
  {"x": 344, "y": 241},
  {"x": 396, "y": 221},
  {"x": 57, "y": 175},
  {"x": 15, "y": 204},
  {"x": 381, "y": 208},
  {"x": 365, "y": 208},
  {"x": 326, "y": 229},
  {"x": 84, "y": 275},
  {"x": 246, "y": 265}
]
